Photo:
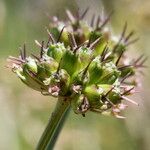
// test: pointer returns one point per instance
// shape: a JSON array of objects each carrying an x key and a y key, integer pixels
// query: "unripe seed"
[
  {"x": 70, "y": 62},
  {"x": 94, "y": 96},
  {"x": 30, "y": 65},
  {"x": 56, "y": 51},
  {"x": 45, "y": 69},
  {"x": 95, "y": 72}
]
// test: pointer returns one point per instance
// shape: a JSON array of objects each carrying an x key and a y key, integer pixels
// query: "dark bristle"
[
  {"x": 125, "y": 77},
  {"x": 129, "y": 36},
  {"x": 84, "y": 13},
  {"x": 83, "y": 44},
  {"x": 140, "y": 63},
  {"x": 36, "y": 57},
  {"x": 98, "y": 22},
  {"x": 109, "y": 101},
  {"x": 104, "y": 53},
  {"x": 90, "y": 40},
  {"x": 57, "y": 72},
  {"x": 24, "y": 51},
  {"x": 127, "y": 92},
  {"x": 51, "y": 38},
  {"x": 48, "y": 42},
  {"x": 42, "y": 49},
  {"x": 124, "y": 31},
  {"x": 92, "y": 20},
  {"x": 124, "y": 67},
  {"x": 119, "y": 57},
  {"x": 116, "y": 46},
  {"x": 121, "y": 37},
  {"x": 95, "y": 43},
  {"x": 86, "y": 68},
  {"x": 73, "y": 43},
  {"x": 143, "y": 61},
  {"x": 21, "y": 54},
  {"x": 138, "y": 59},
  {"x": 60, "y": 34},
  {"x": 109, "y": 91},
  {"x": 132, "y": 41},
  {"x": 106, "y": 20}
]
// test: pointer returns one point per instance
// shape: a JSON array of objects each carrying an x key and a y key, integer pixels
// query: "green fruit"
[
  {"x": 70, "y": 62},
  {"x": 56, "y": 51},
  {"x": 95, "y": 72},
  {"x": 94, "y": 96}
]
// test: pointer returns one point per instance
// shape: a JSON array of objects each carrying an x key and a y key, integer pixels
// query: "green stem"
[
  {"x": 59, "y": 128},
  {"x": 54, "y": 125}
]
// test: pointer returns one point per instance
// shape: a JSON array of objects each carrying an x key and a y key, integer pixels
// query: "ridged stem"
[{"x": 54, "y": 126}]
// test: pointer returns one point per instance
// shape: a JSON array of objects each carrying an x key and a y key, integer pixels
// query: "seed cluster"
[{"x": 84, "y": 64}]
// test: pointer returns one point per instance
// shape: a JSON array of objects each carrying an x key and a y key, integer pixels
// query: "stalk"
[{"x": 54, "y": 126}]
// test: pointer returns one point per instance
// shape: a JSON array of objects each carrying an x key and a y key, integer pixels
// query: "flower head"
[{"x": 84, "y": 64}]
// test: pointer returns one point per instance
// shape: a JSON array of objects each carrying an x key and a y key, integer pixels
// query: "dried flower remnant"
[{"x": 83, "y": 64}]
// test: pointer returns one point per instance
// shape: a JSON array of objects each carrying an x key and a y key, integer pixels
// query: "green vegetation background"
[{"x": 24, "y": 112}]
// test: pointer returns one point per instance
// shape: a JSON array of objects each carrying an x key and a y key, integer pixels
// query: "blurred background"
[{"x": 24, "y": 113}]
